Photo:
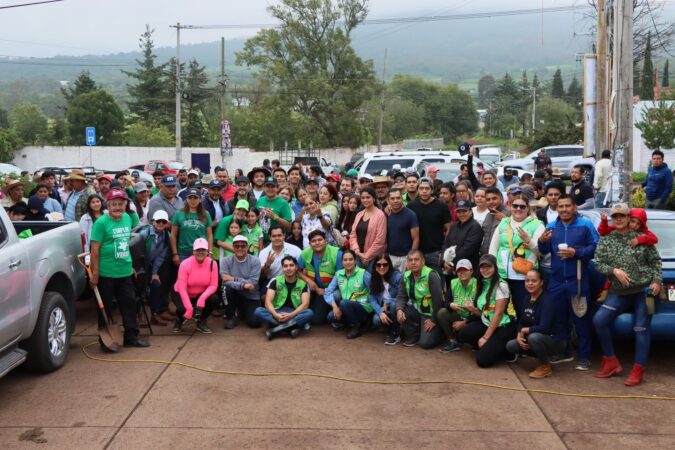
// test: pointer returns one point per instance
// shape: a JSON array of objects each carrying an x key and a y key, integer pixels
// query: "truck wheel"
[{"x": 49, "y": 344}]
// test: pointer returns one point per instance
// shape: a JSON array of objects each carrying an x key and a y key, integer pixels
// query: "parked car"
[
  {"x": 562, "y": 157},
  {"x": 385, "y": 161},
  {"x": 143, "y": 176},
  {"x": 446, "y": 171},
  {"x": 490, "y": 154},
  {"x": 40, "y": 280},
  {"x": 307, "y": 161},
  {"x": 168, "y": 167},
  {"x": 9, "y": 169},
  {"x": 661, "y": 223}
]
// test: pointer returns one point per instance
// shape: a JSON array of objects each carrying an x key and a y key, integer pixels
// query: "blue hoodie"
[{"x": 659, "y": 183}]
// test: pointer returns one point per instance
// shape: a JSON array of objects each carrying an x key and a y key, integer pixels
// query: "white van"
[{"x": 375, "y": 163}]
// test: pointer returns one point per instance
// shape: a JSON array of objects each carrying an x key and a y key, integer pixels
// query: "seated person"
[
  {"x": 271, "y": 256},
  {"x": 240, "y": 274},
  {"x": 384, "y": 285},
  {"x": 462, "y": 292},
  {"x": 287, "y": 299},
  {"x": 353, "y": 307},
  {"x": 195, "y": 288},
  {"x": 18, "y": 211}
]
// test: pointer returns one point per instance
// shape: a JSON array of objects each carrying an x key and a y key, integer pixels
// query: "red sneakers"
[
  {"x": 609, "y": 366},
  {"x": 636, "y": 375}
]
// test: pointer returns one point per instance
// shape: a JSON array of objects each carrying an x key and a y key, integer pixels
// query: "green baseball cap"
[
  {"x": 352, "y": 173},
  {"x": 242, "y": 204}
]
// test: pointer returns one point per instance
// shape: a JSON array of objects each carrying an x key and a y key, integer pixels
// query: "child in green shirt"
[{"x": 253, "y": 231}]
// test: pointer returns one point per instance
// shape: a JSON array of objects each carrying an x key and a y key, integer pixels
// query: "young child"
[
  {"x": 157, "y": 253},
  {"x": 233, "y": 230},
  {"x": 296, "y": 235},
  {"x": 638, "y": 223},
  {"x": 253, "y": 231}
]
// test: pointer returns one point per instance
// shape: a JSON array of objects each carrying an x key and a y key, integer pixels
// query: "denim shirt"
[{"x": 376, "y": 300}]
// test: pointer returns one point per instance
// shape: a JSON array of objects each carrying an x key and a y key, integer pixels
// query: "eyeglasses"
[
  {"x": 382, "y": 265},
  {"x": 461, "y": 190},
  {"x": 518, "y": 206},
  {"x": 162, "y": 221},
  {"x": 240, "y": 246}
]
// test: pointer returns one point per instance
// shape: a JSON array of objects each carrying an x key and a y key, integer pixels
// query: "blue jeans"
[
  {"x": 264, "y": 316},
  {"x": 600, "y": 199},
  {"x": 610, "y": 309},
  {"x": 395, "y": 327},
  {"x": 564, "y": 291},
  {"x": 353, "y": 313}
]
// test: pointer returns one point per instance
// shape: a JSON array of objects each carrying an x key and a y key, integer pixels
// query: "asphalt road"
[{"x": 92, "y": 404}]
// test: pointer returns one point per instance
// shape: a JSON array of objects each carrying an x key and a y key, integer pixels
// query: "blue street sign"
[{"x": 91, "y": 135}]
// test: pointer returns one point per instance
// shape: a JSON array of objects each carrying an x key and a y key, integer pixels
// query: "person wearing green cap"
[
  {"x": 353, "y": 173},
  {"x": 273, "y": 209}
]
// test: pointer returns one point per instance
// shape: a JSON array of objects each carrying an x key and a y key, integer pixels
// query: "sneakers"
[
  {"x": 295, "y": 332},
  {"x": 608, "y": 366},
  {"x": 512, "y": 358},
  {"x": 392, "y": 340},
  {"x": 354, "y": 332},
  {"x": 231, "y": 323},
  {"x": 452, "y": 346},
  {"x": 202, "y": 328},
  {"x": 583, "y": 364},
  {"x": 410, "y": 342},
  {"x": 337, "y": 325},
  {"x": 635, "y": 376},
  {"x": 562, "y": 358},
  {"x": 307, "y": 326},
  {"x": 178, "y": 325},
  {"x": 542, "y": 371},
  {"x": 197, "y": 313}
]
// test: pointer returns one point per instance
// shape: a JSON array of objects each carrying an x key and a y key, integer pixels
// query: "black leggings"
[
  {"x": 494, "y": 349},
  {"x": 211, "y": 303}
]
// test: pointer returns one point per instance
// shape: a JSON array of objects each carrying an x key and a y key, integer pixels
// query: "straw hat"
[
  {"x": 76, "y": 174},
  {"x": 382, "y": 179},
  {"x": 11, "y": 184}
]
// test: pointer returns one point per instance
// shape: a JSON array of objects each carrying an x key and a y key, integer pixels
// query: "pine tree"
[
  {"x": 535, "y": 81},
  {"x": 194, "y": 94},
  {"x": 664, "y": 80},
  {"x": 575, "y": 93},
  {"x": 647, "y": 85},
  {"x": 557, "y": 89},
  {"x": 637, "y": 79},
  {"x": 83, "y": 84}
]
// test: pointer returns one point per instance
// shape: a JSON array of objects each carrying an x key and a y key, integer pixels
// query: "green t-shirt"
[
  {"x": 114, "y": 236},
  {"x": 253, "y": 234},
  {"x": 222, "y": 231},
  {"x": 134, "y": 219},
  {"x": 190, "y": 229},
  {"x": 280, "y": 207}
]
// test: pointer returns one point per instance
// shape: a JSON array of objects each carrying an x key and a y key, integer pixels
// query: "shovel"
[
  {"x": 579, "y": 304},
  {"x": 109, "y": 336}
]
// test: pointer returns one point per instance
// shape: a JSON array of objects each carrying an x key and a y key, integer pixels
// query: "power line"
[{"x": 29, "y": 4}]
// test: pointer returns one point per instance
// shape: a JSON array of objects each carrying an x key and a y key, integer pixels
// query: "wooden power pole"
[
  {"x": 384, "y": 84},
  {"x": 601, "y": 131}
]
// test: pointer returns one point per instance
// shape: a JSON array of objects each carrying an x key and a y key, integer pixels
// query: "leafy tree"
[
  {"x": 556, "y": 124},
  {"x": 28, "y": 122},
  {"x": 58, "y": 131},
  {"x": 83, "y": 84},
  {"x": 665, "y": 82},
  {"x": 311, "y": 64},
  {"x": 647, "y": 87},
  {"x": 575, "y": 94},
  {"x": 143, "y": 134},
  {"x": 658, "y": 126},
  {"x": 557, "y": 88},
  {"x": 148, "y": 101},
  {"x": 194, "y": 94},
  {"x": 508, "y": 102},
  {"x": 9, "y": 142},
  {"x": 486, "y": 87},
  {"x": 95, "y": 109}
]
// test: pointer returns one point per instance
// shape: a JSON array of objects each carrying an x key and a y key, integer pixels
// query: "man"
[
  {"x": 13, "y": 190},
  {"x": 571, "y": 239},
  {"x": 381, "y": 186},
  {"x": 419, "y": 302},
  {"x": 399, "y": 181},
  {"x": 214, "y": 202},
  {"x": 287, "y": 299},
  {"x": 182, "y": 178},
  {"x": 111, "y": 267},
  {"x": 243, "y": 193},
  {"x": 365, "y": 180},
  {"x": 228, "y": 191},
  {"x": 346, "y": 187},
  {"x": 240, "y": 274},
  {"x": 466, "y": 236},
  {"x": 432, "y": 172},
  {"x": 166, "y": 200},
  {"x": 135, "y": 176},
  {"x": 157, "y": 179},
  {"x": 104, "y": 183},
  {"x": 294, "y": 177},
  {"x": 552, "y": 192},
  {"x": 272, "y": 255},
  {"x": 603, "y": 172},
  {"x": 495, "y": 203},
  {"x": 76, "y": 205},
  {"x": 279, "y": 174},
  {"x": 527, "y": 179},
  {"x": 257, "y": 178},
  {"x": 410, "y": 188},
  {"x": 267, "y": 166},
  {"x": 433, "y": 217},
  {"x": 509, "y": 177},
  {"x": 581, "y": 191},
  {"x": 659, "y": 182},
  {"x": 316, "y": 173},
  {"x": 403, "y": 232},
  {"x": 542, "y": 161},
  {"x": 193, "y": 175},
  {"x": 275, "y": 165},
  {"x": 318, "y": 263},
  {"x": 273, "y": 209},
  {"x": 49, "y": 178}
]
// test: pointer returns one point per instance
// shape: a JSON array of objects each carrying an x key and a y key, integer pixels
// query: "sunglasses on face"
[
  {"x": 162, "y": 221},
  {"x": 518, "y": 206},
  {"x": 240, "y": 246}
]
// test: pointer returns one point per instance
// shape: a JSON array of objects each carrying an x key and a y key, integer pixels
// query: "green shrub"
[
  {"x": 639, "y": 177},
  {"x": 639, "y": 199}
]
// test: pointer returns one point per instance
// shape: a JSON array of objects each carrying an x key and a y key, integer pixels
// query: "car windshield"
[
  {"x": 173, "y": 165},
  {"x": 446, "y": 175},
  {"x": 492, "y": 159},
  {"x": 666, "y": 232},
  {"x": 375, "y": 166}
]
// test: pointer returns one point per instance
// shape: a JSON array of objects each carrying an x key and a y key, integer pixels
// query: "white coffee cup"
[{"x": 562, "y": 246}]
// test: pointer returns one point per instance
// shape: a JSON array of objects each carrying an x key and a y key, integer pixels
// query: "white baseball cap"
[
  {"x": 200, "y": 244},
  {"x": 160, "y": 215},
  {"x": 240, "y": 238},
  {"x": 464, "y": 264}
]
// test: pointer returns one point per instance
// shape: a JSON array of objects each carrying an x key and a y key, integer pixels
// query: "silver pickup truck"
[{"x": 40, "y": 279}]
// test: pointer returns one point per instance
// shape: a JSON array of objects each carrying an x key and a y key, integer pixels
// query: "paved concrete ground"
[{"x": 90, "y": 404}]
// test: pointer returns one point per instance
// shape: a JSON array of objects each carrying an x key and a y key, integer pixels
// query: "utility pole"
[
  {"x": 379, "y": 130},
  {"x": 222, "y": 78},
  {"x": 534, "y": 107},
  {"x": 622, "y": 91},
  {"x": 601, "y": 82},
  {"x": 179, "y": 149}
]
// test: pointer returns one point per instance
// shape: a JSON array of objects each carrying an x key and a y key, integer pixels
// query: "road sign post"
[
  {"x": 225, "y": 140},
  {"x": 90, "y": 139}
]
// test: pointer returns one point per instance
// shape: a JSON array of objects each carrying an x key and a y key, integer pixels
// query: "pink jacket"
[
  {"x": 194, "y": 280},
  {"x": 376, "y": 237}
]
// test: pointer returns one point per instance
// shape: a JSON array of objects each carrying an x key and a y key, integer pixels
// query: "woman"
[
  {"x": 312, "y": 218},
  {"x": 328, "y": 196},
  {"x": 190, "y": 223},
  {"x": 142, "y": 202},
  {"x": 299, "y": 202},
  {"x": 94, "y": 210},
  {"x": 368, "y": 236},
  {"x": 295, "y": 237},
  {"x": 238, "y": 173},
  {"x": 480, "y": 211},
  {"x": 51, "y": 205},
  {"x": 492, "y": 321},
  {"x": 349, "y": 212},
  {"x": 354, "y": 309},
  {"x": 286, "y": 193},
  {"x": 463, "y": 191},
  {"x": 195, "y": 289},
  {"x": 384, "y": 284},
  {"x": 542, "y": 330},
  {"x": 489, "y": 179},
  {"x": 514, "y": 244},
  {"x": 447, "y": 196}
]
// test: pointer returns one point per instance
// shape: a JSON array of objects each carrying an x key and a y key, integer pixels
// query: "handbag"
[{"x": 519, "y": 263}]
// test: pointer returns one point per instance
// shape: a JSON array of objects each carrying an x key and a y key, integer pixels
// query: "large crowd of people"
[{"x": 498, "y": 264}]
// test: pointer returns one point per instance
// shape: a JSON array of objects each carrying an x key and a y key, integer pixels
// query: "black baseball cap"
[
  {"x": 271, "y": 181},
  {"x": 215, "y": 184},
  {"x": 194, "y": 192},
  {"x": 463, "y": 204},
  {"x": 242, "y": 179}
]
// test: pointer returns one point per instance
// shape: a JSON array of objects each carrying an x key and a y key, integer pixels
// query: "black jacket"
[
  {"x": 208, "y": 205},
  {"x": 250, "y": 197},
  {"x": 467, "y": 237},
  {"x": 490, "y": 224},
  {"x": 541, "y": 214}
]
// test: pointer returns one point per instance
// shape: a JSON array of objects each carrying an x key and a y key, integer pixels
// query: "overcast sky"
[{"x": 76, "y": 27}]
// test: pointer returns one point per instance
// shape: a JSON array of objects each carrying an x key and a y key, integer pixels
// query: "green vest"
[
  {"x": 461, "y": 294},
  {"x": 504, "y": 257},
  {"x": 489, "y": 306},
  {"x": 281, "y": 292},
  {"x": 353, "y": 288},
  {"x": 421, "y": 298},
  {"x": 327, "y": 265}
]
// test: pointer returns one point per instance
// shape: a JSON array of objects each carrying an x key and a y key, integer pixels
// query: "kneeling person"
[{"x": 286, "y": 301}]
